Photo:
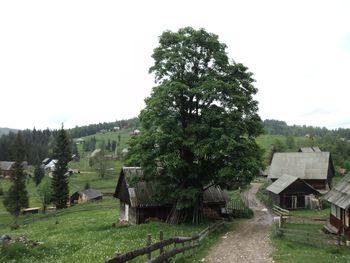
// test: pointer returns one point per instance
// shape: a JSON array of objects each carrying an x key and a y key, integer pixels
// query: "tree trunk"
[{"x": 192, "y": 215}]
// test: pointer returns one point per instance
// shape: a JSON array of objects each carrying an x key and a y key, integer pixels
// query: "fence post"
[
  {"x": 161, "y": 238},
  {"x": 149, "y": 242}
]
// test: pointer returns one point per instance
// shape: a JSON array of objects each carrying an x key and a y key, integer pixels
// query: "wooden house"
[
  {"x": 138, "y": 200},
  {"x": 339, "y": 198},
  {"x": 7, "y": 167},
  {"x": 85, "y": 196},
  {"x": 291, "y": 192},
  {"x": 315, "y": 168}
]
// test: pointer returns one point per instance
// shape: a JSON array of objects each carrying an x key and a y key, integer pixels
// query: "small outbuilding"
[
  {"x": 339, "y": 198},
  {"x": 138, "y": 200},
  {"x": 290, "y": 192},
  {"x": 85, "y": 196}
]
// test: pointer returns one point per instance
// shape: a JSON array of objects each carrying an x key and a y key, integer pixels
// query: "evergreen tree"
[
  {"x": 114, "y": 145},
  {"x": 39, "y": 174},
  {"x": 61, "y": 152},
  {"x": 17, "y": 196},
  {"x": 108, "y": 147},
  {"x": 101, "y": 160}
]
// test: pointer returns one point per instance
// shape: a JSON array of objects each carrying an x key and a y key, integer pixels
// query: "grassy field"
[
  {"x": 290, "y": 251},
  {"x": 84, "y": 233}
]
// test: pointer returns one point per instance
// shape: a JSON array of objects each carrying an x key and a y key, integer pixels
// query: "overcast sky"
[{"x": 82, "y": 62}]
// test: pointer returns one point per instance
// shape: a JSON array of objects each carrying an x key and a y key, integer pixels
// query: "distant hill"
[{"x": 4, "y": 131}]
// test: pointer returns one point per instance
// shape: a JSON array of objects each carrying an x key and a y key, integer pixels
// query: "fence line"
[
  {"x": 188, "y": 243},
  {"x": 307, "y": 237}
]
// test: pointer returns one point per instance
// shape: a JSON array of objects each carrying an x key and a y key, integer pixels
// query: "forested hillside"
[{"x": 38, "y": 143}]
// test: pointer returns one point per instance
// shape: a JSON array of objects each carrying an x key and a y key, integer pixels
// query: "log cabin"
[
  {"x": 138, "y": 201},
  {"x": 291, "y": 192}
]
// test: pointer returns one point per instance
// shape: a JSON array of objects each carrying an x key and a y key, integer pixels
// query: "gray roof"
[
  {"x": 143, "y": 193},
  {"x": 281, "y": 183},
  {"x": 340, "y": 194},
  {"x": 309, "y": 149},
  {"x": 6, "y": 166},
  {"x": 90, "y": 193},
  {"x": 313, "y": 165}
]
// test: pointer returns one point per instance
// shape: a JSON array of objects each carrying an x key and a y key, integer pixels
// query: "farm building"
[
  {"x": 290, "y": 192},
  {"x": 315, "y": 168},
  {"x": 309, "y": 149},
  {"x": 6, "y": 167},
  {"x": 137, "y": 202},
  {"x": 85, "y": 196},
  {"x": 339, "y": 198}
]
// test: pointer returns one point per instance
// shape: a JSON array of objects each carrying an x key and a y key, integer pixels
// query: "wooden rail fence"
[
  {"x": 179, "y": 245},
  {"x": 308, "y": 237}
]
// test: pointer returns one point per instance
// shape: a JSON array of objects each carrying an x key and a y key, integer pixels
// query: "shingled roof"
[
  {"x": 304, "y": 165},
  {"x": 340, "y": 194},
  {"x": 143, "y": 194},
  {"x": 285, "y": 181}
]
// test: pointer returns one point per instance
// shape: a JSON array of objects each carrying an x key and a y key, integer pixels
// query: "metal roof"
[
  {"x": 281, "y": 183},
  {"x": 340, "y": 194},
  {"x": 6, "y": 166},
  {"x": 310, "y": 165},
  {"x": 90, "y": 193},
  {"x": 309, "y": 149}
]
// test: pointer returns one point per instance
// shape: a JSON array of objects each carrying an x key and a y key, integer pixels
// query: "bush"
[{"x": 1, "y": 191}]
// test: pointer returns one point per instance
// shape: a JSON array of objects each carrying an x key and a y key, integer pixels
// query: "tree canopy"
[{"x": 200, "y": 122}]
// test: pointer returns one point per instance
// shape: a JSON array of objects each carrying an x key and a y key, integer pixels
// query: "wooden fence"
[
  {"x": 308, "y": 237},
  {"x": 179, "y": 245}
]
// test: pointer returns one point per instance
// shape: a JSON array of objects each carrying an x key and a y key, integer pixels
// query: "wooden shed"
[
  {"x": 315, "y": 168},
  {"x": 138, "y": 202},
  {"x": 290, "y": 192},
  {"x": 339, "y": 198},
  {"x": 85, "y": 196}
]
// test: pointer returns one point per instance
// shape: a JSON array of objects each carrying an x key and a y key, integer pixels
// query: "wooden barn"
[
  {"x": 290, "y": 192},
  {"x": 339, "y": 198},
  {"x": 315, "y": 168},
  {"x": 85, "y": 196},
  {"x": 138, "y": 202}
]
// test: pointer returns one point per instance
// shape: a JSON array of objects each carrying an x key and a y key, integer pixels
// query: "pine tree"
[
  {"x": 61, "y": 152},
  {"x": 17, "y": 196},
  {"x": 39, "y": 174}
]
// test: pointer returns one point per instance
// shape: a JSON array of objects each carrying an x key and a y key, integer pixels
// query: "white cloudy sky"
[{"x": 82, "y": 62}]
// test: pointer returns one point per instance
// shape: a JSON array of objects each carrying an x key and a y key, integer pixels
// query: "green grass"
[
  {"x": 84, "y": 233},
  {"x": 287, "y": 251}
]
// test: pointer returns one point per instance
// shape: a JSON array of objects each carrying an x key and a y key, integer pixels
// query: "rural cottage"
[
  {"x": 290, "y": 192},
  {"x": 138, "y": 202},
  {"x": 339, "y": 198},
  {"x": 314, "y": 168}
]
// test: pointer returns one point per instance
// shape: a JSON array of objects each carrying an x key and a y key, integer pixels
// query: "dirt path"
[{"x": 250, "y": 241}]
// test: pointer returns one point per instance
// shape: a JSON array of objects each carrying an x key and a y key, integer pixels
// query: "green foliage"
[
  {"x": 39, "y": 174},
  {"x": 200, "y": 122},
  {"x": 45, "y": 193},
  {"x": 17, "y": 196},
  {"x": 60, "y": 190},
  {"x": 87, "y": 185}
]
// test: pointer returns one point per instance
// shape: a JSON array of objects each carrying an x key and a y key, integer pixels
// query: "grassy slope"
[
  {"x": 85, "y": 236},
  {"x": 292, "y": 252}
]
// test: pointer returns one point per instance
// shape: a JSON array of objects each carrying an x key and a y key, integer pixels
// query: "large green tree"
[
  {"x": 17, "y": 196},
  {"x": 199, "y": 124},
  {"x": 61, "y": 152}
]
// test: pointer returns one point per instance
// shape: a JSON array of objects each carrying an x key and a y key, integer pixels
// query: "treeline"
[
  {"x": 38, "y": 144},
  {"x": 334, "y": 141},
  {"x": 106, "y": 126}
]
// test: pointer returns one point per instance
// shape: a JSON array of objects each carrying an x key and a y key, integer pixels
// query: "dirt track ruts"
[{"x": 250, "y": 241}]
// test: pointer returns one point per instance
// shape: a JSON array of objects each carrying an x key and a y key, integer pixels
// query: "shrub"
[{"x": 1, "y": 191}]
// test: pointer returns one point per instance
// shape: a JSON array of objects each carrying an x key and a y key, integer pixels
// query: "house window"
[{"x": 335, "y": 211}]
